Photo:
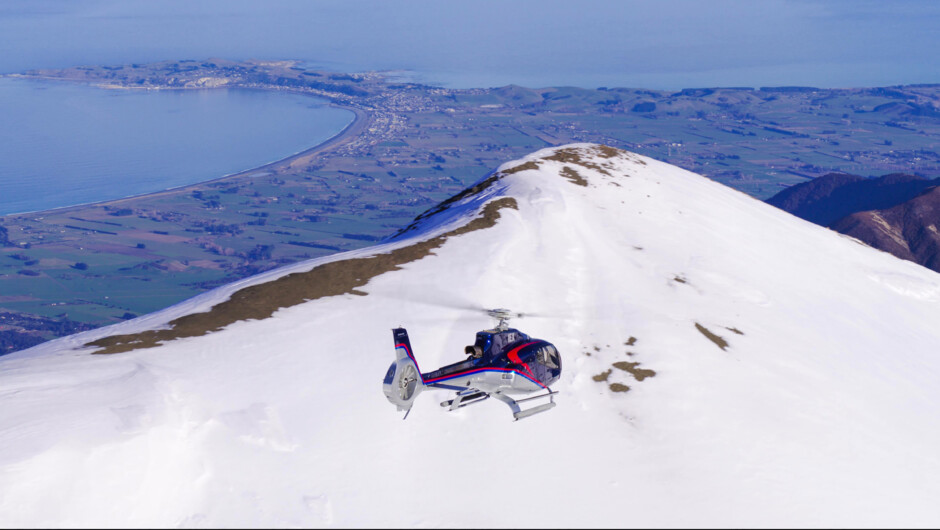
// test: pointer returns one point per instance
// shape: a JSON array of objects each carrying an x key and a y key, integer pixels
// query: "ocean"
[
  {"x": 662, "y": 44},
  {"x": 65, "y": 144},
  {"x": 62, "y": 145}
]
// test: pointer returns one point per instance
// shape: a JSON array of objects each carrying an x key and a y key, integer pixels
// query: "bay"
[
  {"x": 58, "y": 147},
  {"x": 65, "y": 144}
]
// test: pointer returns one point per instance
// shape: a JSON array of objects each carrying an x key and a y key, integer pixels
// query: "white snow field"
[{"x": 821, "y": 410}]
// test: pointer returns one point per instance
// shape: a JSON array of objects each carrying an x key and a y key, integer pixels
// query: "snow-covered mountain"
[{"x": 725, "y": 364}]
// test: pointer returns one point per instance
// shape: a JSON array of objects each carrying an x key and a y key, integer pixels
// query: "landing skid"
[
  {"x": 473, "y": 396},
  {"x": 520, "y": 414}
]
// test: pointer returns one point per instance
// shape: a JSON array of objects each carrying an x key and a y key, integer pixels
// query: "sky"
[{"x": 664, "y": 44}]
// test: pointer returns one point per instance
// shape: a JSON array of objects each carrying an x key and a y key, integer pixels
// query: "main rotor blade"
[{"x": 455, "y": 300}]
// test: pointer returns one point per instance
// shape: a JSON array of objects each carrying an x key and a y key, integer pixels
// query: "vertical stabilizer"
[
  {"x": 403, "y": 345},
  {"x": 403, "y": 381}
]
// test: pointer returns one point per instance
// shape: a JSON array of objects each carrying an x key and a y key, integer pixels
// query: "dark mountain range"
[
  {"x": 908, "y": 230},
  {"x": 895, "y": 213},
  {"x": 831, "y": 197}
]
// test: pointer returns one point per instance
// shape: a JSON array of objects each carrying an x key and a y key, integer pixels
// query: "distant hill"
[
  {"x": 831, "y": 197},
  {"x": 896, "y": 213},
  {"x": 908, "y": 230}
]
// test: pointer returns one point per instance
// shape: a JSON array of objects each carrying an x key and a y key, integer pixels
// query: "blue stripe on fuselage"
[{"x": 478, "y": 370}]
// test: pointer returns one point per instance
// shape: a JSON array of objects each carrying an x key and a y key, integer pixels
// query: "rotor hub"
[{"x": 501, "y": 314}]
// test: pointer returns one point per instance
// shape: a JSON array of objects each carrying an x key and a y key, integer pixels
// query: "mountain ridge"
[{"x": 725, "y": 364}]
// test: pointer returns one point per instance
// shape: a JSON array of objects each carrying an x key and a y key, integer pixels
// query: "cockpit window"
[{"x": 548, "y": 356}]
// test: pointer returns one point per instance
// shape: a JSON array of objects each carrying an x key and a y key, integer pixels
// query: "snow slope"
[{"x": 823, "y": 408}]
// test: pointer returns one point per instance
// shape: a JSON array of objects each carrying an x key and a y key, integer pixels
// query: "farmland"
[{"x": 410, "y": 147}]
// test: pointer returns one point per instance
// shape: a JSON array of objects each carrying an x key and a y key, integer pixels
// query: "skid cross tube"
[
  {"x": 547, "y": 394},
  {"x": 464, "y": 398}
]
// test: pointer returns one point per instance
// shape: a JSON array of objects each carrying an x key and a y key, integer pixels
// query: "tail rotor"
[{"x": 403, "y": 381}]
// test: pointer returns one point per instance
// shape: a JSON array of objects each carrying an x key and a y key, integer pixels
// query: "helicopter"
[{"x": 502, "y": 361}]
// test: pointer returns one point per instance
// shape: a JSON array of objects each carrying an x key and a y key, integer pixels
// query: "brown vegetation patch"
[
  {"x": 631, "y": 341},
  {"x": 330, "y": 279},
  {"x": 638, "y": 373},
  {"x": 679, "y": 279},
  {"x": 617, "y": 387},
  {"x": 572, "y": 155},
  {"x": 601, "y": 377},
  {"x": 736, "y": 331},
  {"x": 607, "y": 151},
  {"x": 722, "y": 343},
  {"x": 569, "y": 173},
  {"x": 531, "y": 164}
]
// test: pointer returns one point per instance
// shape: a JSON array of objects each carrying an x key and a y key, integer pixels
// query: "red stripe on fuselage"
[{"x": 513, "y": 356}]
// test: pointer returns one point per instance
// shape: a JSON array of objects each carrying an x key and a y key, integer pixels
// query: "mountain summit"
[{"x": 725, "y": 364}]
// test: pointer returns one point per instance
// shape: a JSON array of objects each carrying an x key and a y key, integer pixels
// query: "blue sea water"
[
  {"x": 659, "y": 44},
  {"x": 62, "y": 145},
  {"x": 65, "y": 144}
]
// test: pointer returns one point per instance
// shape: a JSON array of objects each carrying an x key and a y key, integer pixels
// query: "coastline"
[{"x": 352, "y": 130}]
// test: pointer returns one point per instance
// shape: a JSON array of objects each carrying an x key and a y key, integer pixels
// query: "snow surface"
[{"x": 825, "y": 412}]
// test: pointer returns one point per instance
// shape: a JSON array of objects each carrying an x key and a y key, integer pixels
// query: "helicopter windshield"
[{"x": 548, "y": 356}]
